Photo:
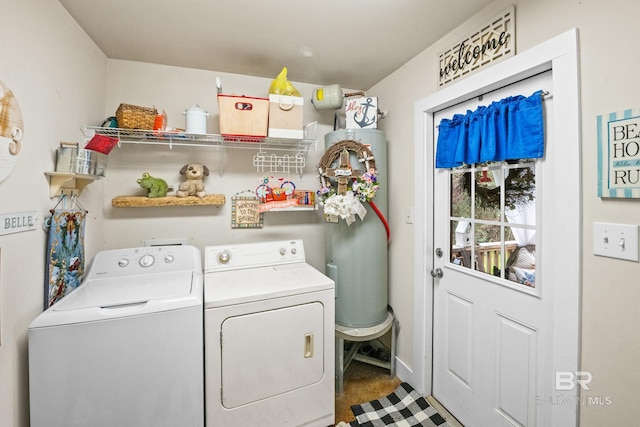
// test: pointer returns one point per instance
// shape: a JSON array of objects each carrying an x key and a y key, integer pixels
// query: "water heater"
[{"x": 356, "y": 254}]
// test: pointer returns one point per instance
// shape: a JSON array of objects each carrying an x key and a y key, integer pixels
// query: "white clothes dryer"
[
  {"x": 126, "y": 347},
  {"x": 269, "y": 337}
]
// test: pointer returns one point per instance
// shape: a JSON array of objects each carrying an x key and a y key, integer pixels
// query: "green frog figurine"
[{"x": 156, "y": 187}]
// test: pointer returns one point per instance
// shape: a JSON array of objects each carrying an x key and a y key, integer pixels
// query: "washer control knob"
[
  {"x": 283, "y": 251},
  {"x": 294, "y": 251},
  {"x": 224, "y": 257},
  {"x": 169, "y": 259},
  {"x": 123, "y": 262},
  {"x": 147, "y": 260}
]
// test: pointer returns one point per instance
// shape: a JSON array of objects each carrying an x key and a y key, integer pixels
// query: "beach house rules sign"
[{"x": 619, "y": 154}]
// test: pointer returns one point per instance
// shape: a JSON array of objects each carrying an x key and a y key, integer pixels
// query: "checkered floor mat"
[{"x": 405, "y": 407}]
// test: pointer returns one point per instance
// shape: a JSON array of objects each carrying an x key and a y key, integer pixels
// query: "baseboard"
[{"x": 403, "y": 371}]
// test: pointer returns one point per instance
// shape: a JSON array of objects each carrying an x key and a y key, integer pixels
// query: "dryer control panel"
[{"x": 250, "y": 255}]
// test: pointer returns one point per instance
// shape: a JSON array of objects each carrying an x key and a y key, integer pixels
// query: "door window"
[{"x": 493, "y": 221}]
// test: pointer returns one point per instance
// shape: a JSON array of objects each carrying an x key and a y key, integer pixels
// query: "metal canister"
[
  {"x": 196, "y": 120},
  {"x": 64, "y": 155},
  {"x": 327, "y": 98},
  {"x": 84, "y": 162},
  {"x": 71, "y": 159}
]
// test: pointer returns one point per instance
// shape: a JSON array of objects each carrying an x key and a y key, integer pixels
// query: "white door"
[
  {"x": 492, "y": 318},
  {"x": 494, "y": 390}
]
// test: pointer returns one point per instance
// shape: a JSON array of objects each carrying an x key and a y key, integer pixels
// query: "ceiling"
[{"x": 354, "y": 43}]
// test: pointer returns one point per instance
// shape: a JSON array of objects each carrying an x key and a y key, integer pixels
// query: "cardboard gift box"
[
  {"x": 305, "y": 197},
  {"x": 285, "y": 116},
  {"x": 243, "y": 115}
]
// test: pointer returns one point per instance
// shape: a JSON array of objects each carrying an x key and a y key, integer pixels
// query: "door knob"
[{"x": 437, "y": 273}]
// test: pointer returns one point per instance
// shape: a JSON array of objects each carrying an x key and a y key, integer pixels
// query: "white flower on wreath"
[{"x": 348, "y": 206}]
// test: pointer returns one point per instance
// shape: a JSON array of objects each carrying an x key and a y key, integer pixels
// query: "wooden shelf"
[
  {"x": 68, "y": 183},
  {"x": 147, "y": 202}
]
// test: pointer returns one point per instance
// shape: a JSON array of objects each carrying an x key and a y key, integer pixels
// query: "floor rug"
[{"x": 405, "y": 407}]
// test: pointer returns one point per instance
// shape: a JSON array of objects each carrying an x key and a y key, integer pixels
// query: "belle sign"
[{"x": 17, "y": 222}]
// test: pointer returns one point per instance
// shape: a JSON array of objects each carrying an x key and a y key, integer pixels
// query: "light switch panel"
[
  {"x": 408, "y": 215},
  {"x": 615, "y": 240}
]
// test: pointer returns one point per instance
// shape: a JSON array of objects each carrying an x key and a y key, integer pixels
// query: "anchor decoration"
[{"x": 362, "y": 113}]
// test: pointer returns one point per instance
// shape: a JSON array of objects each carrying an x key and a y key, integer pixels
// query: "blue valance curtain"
[{"x": 509, "y": 129}]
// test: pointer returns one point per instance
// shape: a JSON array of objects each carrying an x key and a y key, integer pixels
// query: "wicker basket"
[{"x": 134, "y": 117}]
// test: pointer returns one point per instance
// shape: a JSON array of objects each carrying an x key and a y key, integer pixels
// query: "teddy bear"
[
  {"x": 193, "y": 186},
  {"x": 156, "y": 187}
]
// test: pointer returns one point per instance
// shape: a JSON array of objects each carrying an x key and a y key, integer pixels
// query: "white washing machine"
[
  {"x": 269, "y": 337},
  {"x": 126, "y": 347}
]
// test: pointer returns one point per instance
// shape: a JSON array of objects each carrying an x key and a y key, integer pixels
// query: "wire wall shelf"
[
  {"x": 264, "y": 161},
  {"x": 272, "y": 163},
  {"x": 171, "y": 139}
]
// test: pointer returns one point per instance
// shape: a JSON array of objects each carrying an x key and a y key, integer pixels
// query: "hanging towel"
[
  {"x": 65, "y": 254},
  {"x": 509, "y": 129}
]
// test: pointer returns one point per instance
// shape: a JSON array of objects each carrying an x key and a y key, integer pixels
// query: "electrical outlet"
[
  {"x": 408, "y": 215},
  {"x": 615, "y": 240}
]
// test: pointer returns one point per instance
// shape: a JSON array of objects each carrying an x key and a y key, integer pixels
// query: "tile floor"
[{"x": 364, "y": 382}]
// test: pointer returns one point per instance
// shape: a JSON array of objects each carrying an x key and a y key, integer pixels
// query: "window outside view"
[{"x": 493, "y": 219}]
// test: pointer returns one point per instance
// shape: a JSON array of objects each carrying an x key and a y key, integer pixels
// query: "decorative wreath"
[
  {"x": 353, "y": 187},
  {"x": 364, "y": 184}
]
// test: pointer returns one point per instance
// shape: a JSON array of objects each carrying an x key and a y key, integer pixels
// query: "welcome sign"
[
  {"x": 619, "y": 154},
  {"x": 495, "y": 41}
]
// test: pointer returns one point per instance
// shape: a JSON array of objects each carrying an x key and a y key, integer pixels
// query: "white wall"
[
  {"x": 62, "y": 81},
  {"x": 58, "y": 77},
  {"x": 608, "y": 38},
  {"x": 175, "y": 89}
]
